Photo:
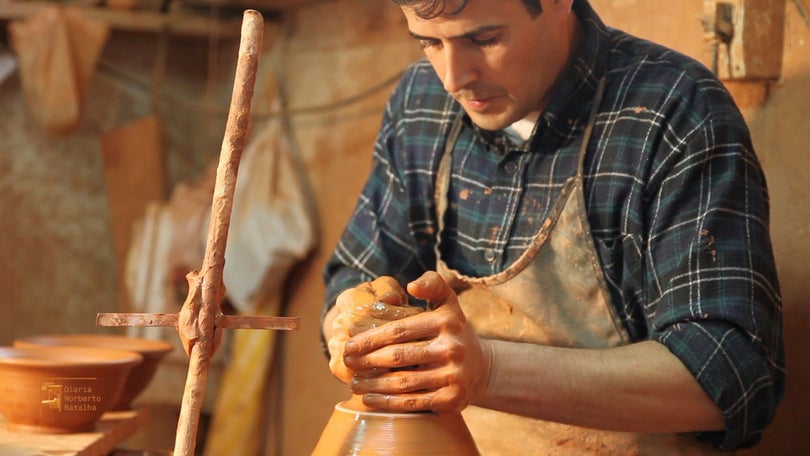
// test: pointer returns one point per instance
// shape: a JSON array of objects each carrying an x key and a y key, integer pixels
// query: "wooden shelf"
[
  {"x": 189, "y": 23},
  {"x": 111, "y": 430}
]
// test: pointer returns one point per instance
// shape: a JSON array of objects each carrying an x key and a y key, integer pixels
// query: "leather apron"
[{"x": 554, "y": 294}]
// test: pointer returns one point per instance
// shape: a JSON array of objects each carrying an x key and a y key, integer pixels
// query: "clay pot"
[
  {"x": 152, "y": 351},
  {"x": 354, "y": 430},
  {"x": 59, "y": 390}
]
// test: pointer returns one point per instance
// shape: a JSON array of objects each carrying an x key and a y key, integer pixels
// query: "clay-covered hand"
[
  {"x": 429, "y": 361},
  {"x": 366, "y": 306}
]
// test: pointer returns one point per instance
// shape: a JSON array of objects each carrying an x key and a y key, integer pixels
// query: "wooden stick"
[
  {"x": 197, "y": 321},
  {"x": 224, "y": 322}
]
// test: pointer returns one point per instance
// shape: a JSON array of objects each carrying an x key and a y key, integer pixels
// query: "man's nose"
[{"x": 459, "y": 68}]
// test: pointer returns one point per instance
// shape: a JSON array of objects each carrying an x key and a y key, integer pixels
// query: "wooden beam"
[{"x": 175, "y": 22}]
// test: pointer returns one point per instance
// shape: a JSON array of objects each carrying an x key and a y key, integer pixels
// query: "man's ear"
[
  {"x": 561, "y": 8},
  {"x": 564, "y": 5}
]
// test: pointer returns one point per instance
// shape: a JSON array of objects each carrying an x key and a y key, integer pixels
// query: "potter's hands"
[
  {"x": 429, "y": 361},
  {"x": 364, "y": 307}
]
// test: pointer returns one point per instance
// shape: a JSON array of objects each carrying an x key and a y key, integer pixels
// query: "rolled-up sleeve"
[{"x": 714, "y": 293}]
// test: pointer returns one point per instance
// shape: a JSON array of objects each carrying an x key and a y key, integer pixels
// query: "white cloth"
[{"x": 271, "y": 228}]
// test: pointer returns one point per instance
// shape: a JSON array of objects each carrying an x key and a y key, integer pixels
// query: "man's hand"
[
  {"x": 427, "y": 361},
  {"x": 367, "y": 306}
]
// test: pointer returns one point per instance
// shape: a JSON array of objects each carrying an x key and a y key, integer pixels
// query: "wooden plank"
[
  {"x": 135, "y": 175},
  {"x": 111, "y": 430}
]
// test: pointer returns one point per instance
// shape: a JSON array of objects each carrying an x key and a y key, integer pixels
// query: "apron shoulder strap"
[
  {"x": 586, "y": 137},
  {"x": 442, "y": 185}
]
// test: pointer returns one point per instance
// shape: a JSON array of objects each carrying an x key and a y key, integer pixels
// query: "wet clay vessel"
[
  {"x": 59, "y": 390},
  {"x": 354, "y": 430},
  {"x": 152, "y": 351}
]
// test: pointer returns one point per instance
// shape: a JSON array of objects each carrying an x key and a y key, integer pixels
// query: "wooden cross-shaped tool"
[{"x": 200, "y": 321}]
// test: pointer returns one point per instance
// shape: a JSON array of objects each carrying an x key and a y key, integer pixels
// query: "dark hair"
[{"x": 429, "y": 9}]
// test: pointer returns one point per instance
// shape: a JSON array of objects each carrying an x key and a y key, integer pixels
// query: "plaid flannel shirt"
[{"x": 676, "y": 200}]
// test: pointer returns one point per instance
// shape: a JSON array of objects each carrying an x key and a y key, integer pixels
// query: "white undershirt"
[{"x": 522, "y": 130}]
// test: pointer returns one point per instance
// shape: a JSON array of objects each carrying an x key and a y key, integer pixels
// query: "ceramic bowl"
[
  {"x": 152, "y": 351},
  {"x": 60, "y": 390},
  {"x": 353, "y": 430}
]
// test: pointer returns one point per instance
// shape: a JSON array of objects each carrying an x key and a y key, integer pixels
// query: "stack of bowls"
[
  {"x": 61, "y": 390},
  {"x": 152, "y": 352}
]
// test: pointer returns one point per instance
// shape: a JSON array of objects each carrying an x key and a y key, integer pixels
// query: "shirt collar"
[{"x": 571, "y": 105}]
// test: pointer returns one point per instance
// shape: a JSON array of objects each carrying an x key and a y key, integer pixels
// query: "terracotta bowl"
[
  {"x": 60, "y": 390},
  {"x": 152, "y": 351},
  {"x": 353, "y": 430}
]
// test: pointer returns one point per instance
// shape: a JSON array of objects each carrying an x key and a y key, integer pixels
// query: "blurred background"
[{"x": 113, "y": 113}]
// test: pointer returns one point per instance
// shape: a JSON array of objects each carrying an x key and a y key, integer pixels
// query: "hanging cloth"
[
  {"x": 271, "y": 230},
  {"x": 58, "y": 49}
]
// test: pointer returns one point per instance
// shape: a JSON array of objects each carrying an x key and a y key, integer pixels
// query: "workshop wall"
[{"x": 340, "y": 59}]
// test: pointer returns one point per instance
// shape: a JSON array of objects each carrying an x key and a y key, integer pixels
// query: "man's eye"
[
  {"x": 425, "y": 44},
  {"x": 484, "y": 42}
]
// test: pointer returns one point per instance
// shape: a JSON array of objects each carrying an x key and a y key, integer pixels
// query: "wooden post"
[
  {"x": 200, "y": 320},
  {"x": 753, "y": 35}
]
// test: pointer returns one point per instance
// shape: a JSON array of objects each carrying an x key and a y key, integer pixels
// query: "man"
[{"x": 584, "y": 217}]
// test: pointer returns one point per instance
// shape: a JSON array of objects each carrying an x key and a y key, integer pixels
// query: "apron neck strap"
[
  {"x": 442, "y": 184},
  {"x": 586, "y": 137}
]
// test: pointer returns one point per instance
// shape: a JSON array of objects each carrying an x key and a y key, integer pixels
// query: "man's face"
[{"x": 495, "y": 59}]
